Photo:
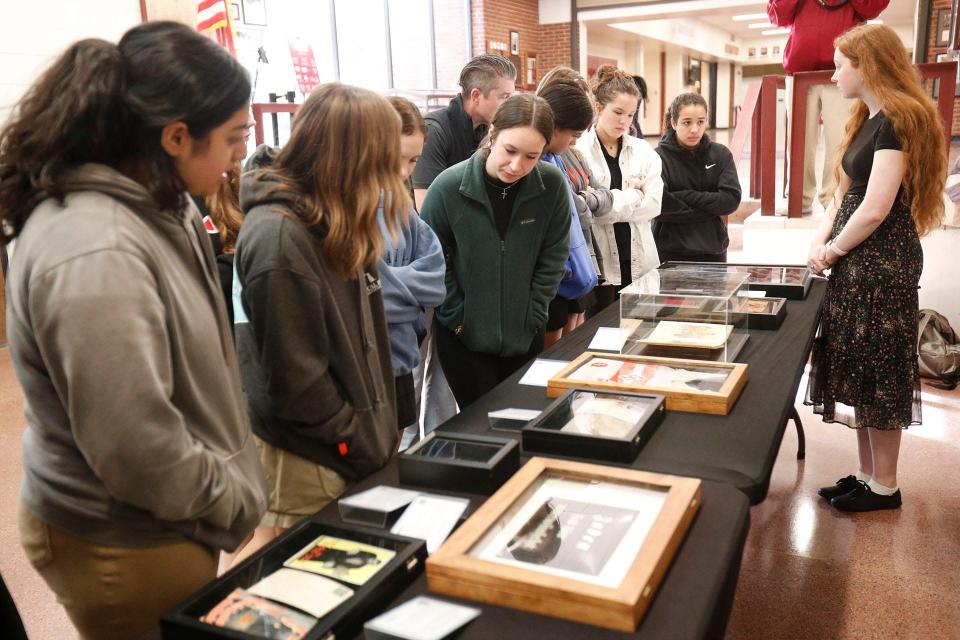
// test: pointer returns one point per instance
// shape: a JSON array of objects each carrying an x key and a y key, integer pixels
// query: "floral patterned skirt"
[{"x": 864, "y": 362}]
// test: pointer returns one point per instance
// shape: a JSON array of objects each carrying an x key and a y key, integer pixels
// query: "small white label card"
[
  {"x": 607, "y": 339},
  {"x": 380, "y": 498},
  {"x": 306, "y": 591},
  {"x": 526, "y": 415},
  {"x": 751, "y": 293},
  {"x": 421, "y": 618},
  {"x": 541, "y": 371},
  {"x": 431, "y": 517}
]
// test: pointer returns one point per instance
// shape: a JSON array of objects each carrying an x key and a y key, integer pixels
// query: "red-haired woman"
[{"x": 890, "y": 179}]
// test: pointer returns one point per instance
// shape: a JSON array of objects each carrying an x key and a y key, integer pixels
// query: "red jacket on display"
[{"x": 814, "y": 24}]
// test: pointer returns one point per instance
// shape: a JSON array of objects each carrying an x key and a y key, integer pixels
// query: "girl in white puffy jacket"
[{"x": 630, "y": 168}]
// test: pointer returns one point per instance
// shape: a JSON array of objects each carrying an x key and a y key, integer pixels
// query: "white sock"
[
  {"x": 863, "y": 477},
  {"x": 882, "y": 490}
]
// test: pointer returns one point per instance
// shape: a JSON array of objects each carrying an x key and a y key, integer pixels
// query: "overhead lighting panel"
[{"x": 749, "y": 16}]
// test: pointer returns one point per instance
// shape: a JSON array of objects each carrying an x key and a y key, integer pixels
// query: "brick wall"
[
  {"x": 933, "y": 50},
  {"x": 554, "y": 47},
  {"x": 495, "y": 19}
]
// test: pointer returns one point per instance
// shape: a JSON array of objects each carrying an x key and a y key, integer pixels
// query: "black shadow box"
[
  {"x": 770, "y": 317},
  {"x": 462, "y": 462},
  {"x": 598, "y": 425},
  {"x": 346, "y": 620}
]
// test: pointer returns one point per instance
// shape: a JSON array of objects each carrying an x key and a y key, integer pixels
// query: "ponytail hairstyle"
[
  {"x": 520, "y": 110},
  {"x": 681, "y": 101},
  {"x": 108, "y": 104},
  {"x": 345, "y": 195},
  {"x": 877, "y": 52},
  {"x": 610, "y": 82},
  {"x": 411, "y": 121}
]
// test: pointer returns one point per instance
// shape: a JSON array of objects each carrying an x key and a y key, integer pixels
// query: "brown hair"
[
  {"x": 887, "y": 72},
  {"x": 681, "y": 101},
  {"x": 570, "y": 105},
  {"x": 345, "y": 195},
  {"x": 484, "y": 73},
  {"x": 565, "y": 75},
  {"x": 410, "y": 118},
  {"x": 520, "y": 110},
  {"x": 105, "y": 103},
  {"x": 223, "y": 207},
  {"x": 610, "y": 82}
]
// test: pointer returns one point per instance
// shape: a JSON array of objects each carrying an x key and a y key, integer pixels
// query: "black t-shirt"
[
  {"x": 621, "y": 230},
  {"x": 501, "y": 196},
  {"x": 613, "y": 164},
  {"x": 875, "y": 134}
]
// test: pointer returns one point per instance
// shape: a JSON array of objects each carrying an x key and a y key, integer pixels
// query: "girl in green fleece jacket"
[{"x": 503, "y": 220}]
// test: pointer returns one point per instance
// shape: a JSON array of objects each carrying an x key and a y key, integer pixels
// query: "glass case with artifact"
[
  {"x": 782, "y": 280},
  {"x": 595, "y": 424},
  {"x": 765, "y": 313},
  {"x": 460, "y": 462},
  {"x": 694, "y": 314},
  {"x": 695, "y": 386},
  {"x": 318, "y": 580},
  {"x": 582, "y": 542}
]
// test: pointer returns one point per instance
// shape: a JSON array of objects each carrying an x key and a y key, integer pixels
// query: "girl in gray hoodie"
[{"x": 138, "y": 460}]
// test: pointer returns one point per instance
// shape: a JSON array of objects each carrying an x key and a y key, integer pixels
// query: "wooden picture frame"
[
  {"x": 943, "y": 27},
  {"x": 515, "y": 44},
  {"x": 637, "y": 547},
  {"x": 677, "y": 385}
]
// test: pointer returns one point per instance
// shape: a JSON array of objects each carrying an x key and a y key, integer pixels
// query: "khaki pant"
[
  {"x": 825, "y": 100},
  {"x": 298, "y": 487},
  {"x": 113, "y": 592}
]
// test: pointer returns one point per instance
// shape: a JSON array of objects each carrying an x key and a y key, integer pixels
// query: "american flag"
[{"x": 213, "y": 19}]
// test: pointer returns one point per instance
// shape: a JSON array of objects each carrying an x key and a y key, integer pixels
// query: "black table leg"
[{"x": 801, "y": 440}]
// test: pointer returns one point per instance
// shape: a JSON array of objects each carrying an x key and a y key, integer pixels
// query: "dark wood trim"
[
  {"x": 143, "y": 10},
  {"x": 575, "y": 38},
  {"x": 731, "y": 119},
  {"x": 663, "y": 90},
  {"x": 923, "y": 32}
]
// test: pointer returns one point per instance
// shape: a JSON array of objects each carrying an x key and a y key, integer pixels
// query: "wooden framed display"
[
  {"x": 595, "y": 424},
  {"x": 786, "y": 281},
  {"x": 317, "y": 581},
  {"x": 460, "y": 462},
  {"x": 765, "y": 313},
  {"x": 583, "y": 542},
  {"x": 696, "y": 386}
]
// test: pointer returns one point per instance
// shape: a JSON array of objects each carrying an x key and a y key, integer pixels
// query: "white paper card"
[
  {"x": 430, "y": 517},
  {"x": 607, "y": 339},
  {"x": 306, "y": 591},
  {"x": 541, "y": 371},
  {"x": 525, "y": 415},
  {"x": 421, "y": 618},
  {"x": 753, "y": 294},
  {"x": 381, "y": 498}
]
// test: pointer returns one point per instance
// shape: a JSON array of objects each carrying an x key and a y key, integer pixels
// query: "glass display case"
[
  {"x": 782, "y": 280},
  {"x": 694, "y": 314}
]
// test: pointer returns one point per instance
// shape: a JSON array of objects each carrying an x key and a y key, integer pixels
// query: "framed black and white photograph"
[
  {"x": 514, "y": 43},
  {"x": 943, "y": 27},
  {"x": 255, "y": 12}
]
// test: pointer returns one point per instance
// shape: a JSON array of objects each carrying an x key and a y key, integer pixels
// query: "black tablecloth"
[
  {"x": 739, "y": 448},
  {"x": 693, "y": 601}
]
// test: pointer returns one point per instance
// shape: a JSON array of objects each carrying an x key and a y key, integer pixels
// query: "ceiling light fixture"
[
  {"x": 760, "y": 25},
  {"x": 749, "y": 16},
  {"x": 775, "y": 32}
]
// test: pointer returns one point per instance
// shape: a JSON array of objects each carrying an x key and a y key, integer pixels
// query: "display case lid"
[{"x": 692, "y": 282}]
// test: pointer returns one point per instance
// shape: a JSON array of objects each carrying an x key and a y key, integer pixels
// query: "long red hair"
[{"x": 888, "y": 73}]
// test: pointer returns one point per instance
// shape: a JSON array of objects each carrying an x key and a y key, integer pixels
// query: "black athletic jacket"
[{"x": 699, "y": 187}]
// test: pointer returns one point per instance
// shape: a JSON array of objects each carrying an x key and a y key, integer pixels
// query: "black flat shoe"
[
  {"x": 864, "y": 499},
  {"x": 843, "y": 486}
]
